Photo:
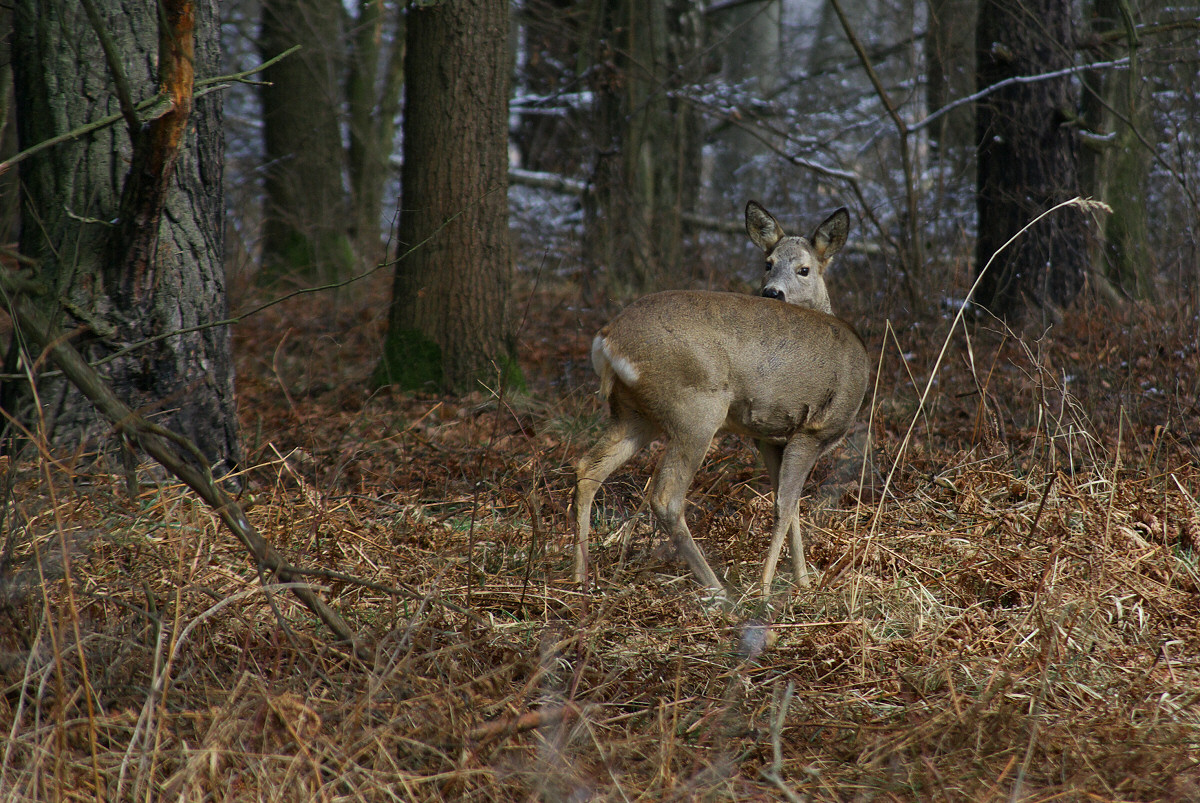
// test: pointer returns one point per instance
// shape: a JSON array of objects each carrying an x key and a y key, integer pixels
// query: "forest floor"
[{"x": 1006, "y": 602}]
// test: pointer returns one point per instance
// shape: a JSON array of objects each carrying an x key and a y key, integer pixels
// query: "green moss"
[
  {"x": 291, "y": 254},
  {"x": 410, "y": 361},
  {"x": 511, "y": 375},
  {"x": 413, "y": 361}
]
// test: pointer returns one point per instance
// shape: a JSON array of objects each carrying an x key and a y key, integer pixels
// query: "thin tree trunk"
[
  {"x": 1116, "y": 163},
  {"x": 751, "y": 61},
  {"x": 306, "y": 219},
  {"x": 10, "y": 191},
  {"x": 554, "y": 57},
  {"x": 373, "y": 95},
  {"x": 645, "y": 176},
  {"x": 950, "y": 74}
]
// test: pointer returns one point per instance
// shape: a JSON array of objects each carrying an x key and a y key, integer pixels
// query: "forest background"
[{"x": 340, "y": 306}]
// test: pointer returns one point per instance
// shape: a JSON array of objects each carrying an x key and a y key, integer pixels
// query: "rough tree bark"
[
  {"x": 119, "y": 281},
  {"x": 1027, "y": 159},
  {"x": 449, "y": 319}
]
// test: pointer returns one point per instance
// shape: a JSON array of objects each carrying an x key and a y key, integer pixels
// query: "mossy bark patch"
[{"x": 411, "y": 361}]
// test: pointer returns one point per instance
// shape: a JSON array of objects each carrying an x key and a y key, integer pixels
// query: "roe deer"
[{"x": 685, "y": 365}]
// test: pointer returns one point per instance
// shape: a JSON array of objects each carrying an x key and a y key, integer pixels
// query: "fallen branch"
[
  {"x": 528, "y": 721},
  {"x": 397, "y": 590},
  {"x": 573, "y": 186},
  {"x": 168, "y": 448}
]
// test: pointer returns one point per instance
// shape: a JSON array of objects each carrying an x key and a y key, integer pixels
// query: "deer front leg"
[
  {"x": 680, "y": 460},
  {"x": 798, "y": 458},
  {"x": 799, "y": 562},
  {"x": 772, "y": 455}
]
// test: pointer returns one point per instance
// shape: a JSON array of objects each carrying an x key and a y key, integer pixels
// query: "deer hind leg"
[
  {"x": 668, "y": 498},
  {"x": 798, "y": 458},
  {"x": 621, "y": 441}
]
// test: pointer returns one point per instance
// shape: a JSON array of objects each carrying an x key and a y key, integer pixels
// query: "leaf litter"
[{"x": 1008, "y": 607}]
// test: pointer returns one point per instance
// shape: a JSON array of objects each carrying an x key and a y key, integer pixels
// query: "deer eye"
[
  {"x": 803, "y": 271},
  {"x": 767, "y": 266}
]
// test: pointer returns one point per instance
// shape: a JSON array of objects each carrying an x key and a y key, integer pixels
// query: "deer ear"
[
  {"x": 830, "y": 236},
  {"x": 763, "y": 228}
]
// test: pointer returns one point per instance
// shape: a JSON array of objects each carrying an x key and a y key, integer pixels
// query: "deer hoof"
[{"x": 715, "y": 600}]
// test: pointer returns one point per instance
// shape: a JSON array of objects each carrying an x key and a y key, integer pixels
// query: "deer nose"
[{"x": 773, "y": 292}]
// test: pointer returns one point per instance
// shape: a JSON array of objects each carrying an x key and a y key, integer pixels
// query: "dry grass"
[{"x": 1016, "y": 617}]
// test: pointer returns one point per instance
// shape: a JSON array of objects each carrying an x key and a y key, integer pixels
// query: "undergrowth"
[{"x": 1008, "y": 602}]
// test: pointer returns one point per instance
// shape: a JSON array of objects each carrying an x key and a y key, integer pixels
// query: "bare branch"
[{"x": 1018, "y": 79}]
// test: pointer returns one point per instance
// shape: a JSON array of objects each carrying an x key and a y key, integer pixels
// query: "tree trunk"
[
  {"x": 306, "y": 219},
  {"x": 121, "y": 285},
  {"x": 646, "y": 170},
  {"x": 950, "y": 74},
  {"x": 1115, "y": 163},
  {"x": 449, "y": 320},
  {"x": 549, "y": 135},
  {"x": 752, "y": 66},
  {"x": 373, "y": 96},
  {"x": 10, "y": 189},
  {"x": 1027, "y": 160}
]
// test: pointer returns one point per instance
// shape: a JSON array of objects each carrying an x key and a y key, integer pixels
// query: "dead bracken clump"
[{"x": 1006, "y": 604}]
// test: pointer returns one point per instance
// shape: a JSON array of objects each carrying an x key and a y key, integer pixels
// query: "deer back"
[{"x": 757, "y": 366}]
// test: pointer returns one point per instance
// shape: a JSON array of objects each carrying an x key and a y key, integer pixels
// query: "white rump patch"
[{"x": 605, "y": 359}]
